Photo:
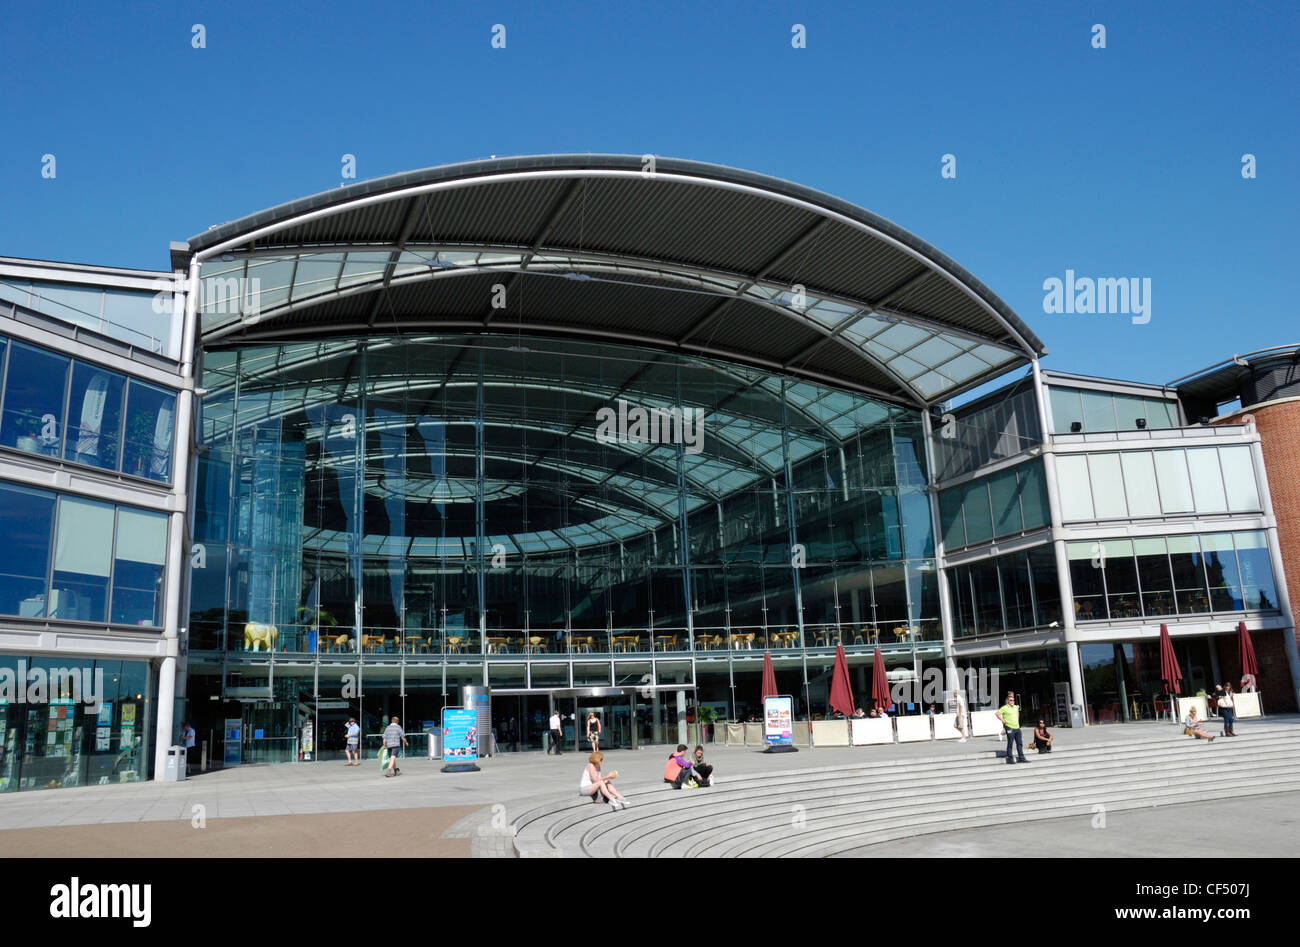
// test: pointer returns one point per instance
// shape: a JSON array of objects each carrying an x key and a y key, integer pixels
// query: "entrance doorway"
[{"x": 615, "y": 716}]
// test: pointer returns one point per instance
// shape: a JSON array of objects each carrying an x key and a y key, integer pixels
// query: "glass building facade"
[{"x": 513, "y": 496}]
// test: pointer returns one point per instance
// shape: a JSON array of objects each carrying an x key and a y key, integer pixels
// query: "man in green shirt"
[{"x": 1010, "y": 715}]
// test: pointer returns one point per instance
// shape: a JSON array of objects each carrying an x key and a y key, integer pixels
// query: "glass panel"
[
  {"x": 1154, "y": 577},
  {"x": 149, "y": 432},
  {"x": 1140, "y": 483},
  {"x": 1098, "y": 411},
  {"x": 26, "y": 525},
  {"x": 1121, "y": 579},
  {"x": 1107, "y": 486},
  {"x": 1207, "y": 480},
  {"x": 1221, "y": 571},
  {"x": 1189, "y": 575},
  {"x": 95, "y": 422},
  {"x": 1004, "y": 488},
  {"x": 1175, "y": 485},
  {"x": 1067, "y": 409},
  {"x": 988, "y": 597},
  {"x": 1258, "y": 589},
  {"x": 979, "y": 520},
  {"x": 36, "y": 385},
  {"x": 1129, "y": 409},
  {"x": 1033, "y": 495},
  {"x": 138, "y": 567},
  {"x": 1161, "y": 414},
  {"x": 1016, "y": 594},
  {"x": 1239, "y": 475},
  {"x": 1086, "y": 578},
  {"x": 1047, "y": 591},
  {"x": 1076, "y": 491},
  {"x": 83, "y": 551},
  {"x": 954, "y": 527}
]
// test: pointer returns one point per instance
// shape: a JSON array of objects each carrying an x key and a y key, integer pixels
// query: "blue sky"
[{"x": 1116, "y": 162}]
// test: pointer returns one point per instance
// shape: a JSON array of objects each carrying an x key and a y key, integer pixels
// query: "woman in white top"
[
  {"x": 1192, "y": 726},
  {"x": 599, "y": 787},
  {"x": 961, "y": 713}
]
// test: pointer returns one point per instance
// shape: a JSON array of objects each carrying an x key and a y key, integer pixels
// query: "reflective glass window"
[
  {"x": 1121, "y": 579},
  {"x": 1154, "y": 576},
  {"x": 149, "y": 432},
  {"x": 1098, "y": 411},
  {"x": 26, "y": 531},
  {"x": 1087, "y": 580},
  {"x": 988, "y": 597},
  {"x": 1207, "y": 480},
  {"x": 1175, "y": 485},
  {"x": 1257, "y": 585},
  {"x": 1107, "y": 486},
  {"x": 1033, "y": 495},
  {"x": 1221, "y": 571},
  {"x": 979, "y": 519},
  {"x": 1017, "y": 596},
  {"x": 83, "y": 560},
  {"x": 954, "y": 526},
  {"x": 1185, "y": 560},
  {"x": 1067, "y": 408},
  {"x": 139, "y": 557},
  {"x": 94, "y": 417},
  {"x": 1047, "y": 591},
  {"x": 36, "y": 387},
  {"x": 1076, "y": 490},
  {"x": 1239, "y": 476},
  {"x": 1004, "y": 488},
  {"x": 1140, "y": 483}
]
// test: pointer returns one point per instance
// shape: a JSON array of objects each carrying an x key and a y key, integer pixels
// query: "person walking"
[
  {"x": 557, "y": 732},
  {"x": 1228, "y": 710},
  {"x": 960, "y": 711},
  {"x": 394, "y": 740},
  {"x": 1009, "y": 714},
  {"x": 352, "y": 749},
  {"x": 593, "y": 731}
]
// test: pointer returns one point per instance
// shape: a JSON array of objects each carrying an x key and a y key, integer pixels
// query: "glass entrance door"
[{"x": 615, "y": 716}]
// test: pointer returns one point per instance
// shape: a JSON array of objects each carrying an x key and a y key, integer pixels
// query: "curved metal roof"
[{"x": 681, "y": 255}]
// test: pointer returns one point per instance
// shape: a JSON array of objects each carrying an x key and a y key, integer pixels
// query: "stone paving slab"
[{"x": 516, "y": 781}]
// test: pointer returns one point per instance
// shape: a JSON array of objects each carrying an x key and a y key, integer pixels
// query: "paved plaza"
[{"x": 329, "y": 809}]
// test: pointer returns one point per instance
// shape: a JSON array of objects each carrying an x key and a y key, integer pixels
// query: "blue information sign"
[
  {"x": 459, "y": 735},
  {"x": 778, "y": 721}
]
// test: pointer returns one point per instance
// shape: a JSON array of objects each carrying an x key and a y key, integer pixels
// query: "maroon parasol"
[
  {"x": 769, "y": 676},
  {"x": 1170, "y": 674},
  {"x": 880, "y": 683},
  {"x": 841, "y": 690},
  {"x": 1247, "y": 649}
]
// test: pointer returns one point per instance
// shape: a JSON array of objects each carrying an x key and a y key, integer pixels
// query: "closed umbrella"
[
  {"x": 841, "y": 690},
  {"x": 880, "y": 683},
  {"x": 769, "y": 676},
  {"x": 1170, "y": 674},
  {"x": 1247, "y": 649}
]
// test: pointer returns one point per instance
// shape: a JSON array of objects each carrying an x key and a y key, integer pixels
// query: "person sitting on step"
[
  {"x": 678, "y": 770},
  {"x": 1192, "y": 727},
  {"x": 702, "y": 772},
  {"x": 1042, "y": 738}
]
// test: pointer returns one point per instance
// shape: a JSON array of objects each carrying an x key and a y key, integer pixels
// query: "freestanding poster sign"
[
  {"x": 459, "y": 739},
  {"x": 778, "y": 724}
]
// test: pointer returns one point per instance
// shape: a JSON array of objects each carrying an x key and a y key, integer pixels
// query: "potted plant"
[{"x": 139, "y": 440}]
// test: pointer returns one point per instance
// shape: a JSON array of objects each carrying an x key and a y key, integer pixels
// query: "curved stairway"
[{"x": 835, "y": 810}]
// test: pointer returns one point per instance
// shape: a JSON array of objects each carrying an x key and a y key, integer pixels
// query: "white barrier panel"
[
  {"x": 871, "y": 730},
  {"x": 913, "y": 729},
  {"x": 1186, "y": 703},
  {"x": 830, "y": 732},
  {"x": 1247, "y": 705},
  {"x": 945, "y": 727},
  {"x": 985, "y": 723}
]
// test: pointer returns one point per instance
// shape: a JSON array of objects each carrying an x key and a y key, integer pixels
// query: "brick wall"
[
  {"x": 1274, "y": 678},
  {"x": 1278, "y": 424}
]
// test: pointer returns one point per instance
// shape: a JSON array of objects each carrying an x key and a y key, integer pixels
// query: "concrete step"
[
  {"x": 896, "y": 798},
  {"x": 911, "y": 780},
  {"x": 669, "y": 838}
]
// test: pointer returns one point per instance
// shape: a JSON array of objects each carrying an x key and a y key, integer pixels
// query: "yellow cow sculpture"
[{"x": 256, "y": 633}]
